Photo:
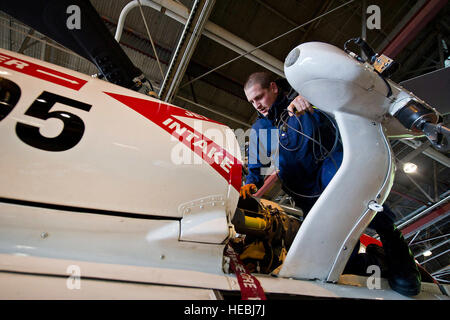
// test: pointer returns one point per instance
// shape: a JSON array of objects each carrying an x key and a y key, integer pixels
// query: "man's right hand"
[
  {"x": 247, "y": 190},
  {"x": 299, "y": 106}
]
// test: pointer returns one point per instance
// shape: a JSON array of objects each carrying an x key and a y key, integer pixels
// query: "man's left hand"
[{"x": 299, "y": 106}]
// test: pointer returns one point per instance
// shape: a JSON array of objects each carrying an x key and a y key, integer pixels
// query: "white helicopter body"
[{"x": 133, "y": 197}]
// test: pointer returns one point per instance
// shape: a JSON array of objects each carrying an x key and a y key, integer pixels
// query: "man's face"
[{"x": 262, "y": 99}]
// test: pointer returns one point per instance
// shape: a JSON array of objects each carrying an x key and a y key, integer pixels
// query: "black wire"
[
  {"x": 285, "y": 125},
  {"x": 323, "y": 156},
  {"x": 386, "y": 83},
  {"x": 357, "y": 57}
]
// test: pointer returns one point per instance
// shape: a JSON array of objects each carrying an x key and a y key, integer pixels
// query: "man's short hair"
[{"x": 262, "y": 78}]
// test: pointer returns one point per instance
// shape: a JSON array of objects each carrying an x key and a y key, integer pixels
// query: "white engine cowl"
[{"x": 130, "y": 154}]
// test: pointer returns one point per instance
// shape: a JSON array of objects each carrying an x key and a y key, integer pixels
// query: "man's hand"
[
  {"x": 299, "y": 105},
  {"x": 247, "y": 190}
]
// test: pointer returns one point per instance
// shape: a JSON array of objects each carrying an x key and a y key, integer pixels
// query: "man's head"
[{"x": 261, "y": 91}]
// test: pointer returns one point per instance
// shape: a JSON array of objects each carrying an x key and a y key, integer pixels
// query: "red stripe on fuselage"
[
  {"x": 163, "y": 115},
  {"x": 41, "y": 72}
]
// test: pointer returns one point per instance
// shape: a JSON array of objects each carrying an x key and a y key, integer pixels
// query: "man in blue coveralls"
[
  {"x": 305, "y": 148},
  {"x": 300, "y": 141}
]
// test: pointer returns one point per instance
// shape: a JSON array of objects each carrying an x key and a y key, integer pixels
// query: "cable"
[
  {"x": 371, "y": 58},
  {"x": 388, "y": 86},
  {"x": 351, "y": 53},
  {"x": 151, "y": 39},
  {"x": 283, "y": 123},
  {"x": 266, "y": 43},
  {"x": 284, "y": 129},
  {"x": 323, "y": 155}
]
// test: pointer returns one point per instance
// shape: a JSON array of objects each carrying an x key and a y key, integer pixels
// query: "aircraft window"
[{"x": 9, "y": 96}]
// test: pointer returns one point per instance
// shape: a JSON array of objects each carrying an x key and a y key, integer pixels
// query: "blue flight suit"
[{"x": 304, "y": 175}]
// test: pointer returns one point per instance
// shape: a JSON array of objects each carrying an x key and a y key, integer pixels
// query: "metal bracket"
[{"x": 204, "y": 220}]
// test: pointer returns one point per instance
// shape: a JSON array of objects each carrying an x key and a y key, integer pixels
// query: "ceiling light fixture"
[
  {"x": 409, "y": 167},
  {"x": 427, "y": 253}
]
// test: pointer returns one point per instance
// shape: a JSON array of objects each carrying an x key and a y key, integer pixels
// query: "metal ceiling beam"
[
  {"x": 408, "y": 197},
  {"x": 193, "y": 29},
  {"x": 413, "y": 27},
  {"x": 420, "y": 188},
  {"x": 426, "y": 218},
  {"x": 364, "y": 25},
  {"x": 359, "y": 15},
  {"x": 180, "y": 13},
  {"x": 324, "y": 8},
  {"x": 400, "y": 24},
  {"x": 416, "y": 152},
  {"x": 430, "y": 152},
  {"x": 430, "y": 239},
  {"x": 214, "y": 84},
  {"x": 25, "y": 41},
  {"x": 442, "y": 270},
  {"x": 435, "y": 256},
  {"x": 435, "y": 182},
  {"x": 282, "y": 16},
  {"x": 420, "y": 51},
  {"x": 407, "y": 158},
  {"x": 216, "y": 79},
  {"x": 440, "y": 244},
  {"x": 341, "y": 27},
  {"x": 431, "y": 61},
  {"x": 214, "y": 111}
]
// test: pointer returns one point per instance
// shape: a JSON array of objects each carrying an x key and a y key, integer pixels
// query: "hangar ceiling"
[{"x": 214, "y": 74}]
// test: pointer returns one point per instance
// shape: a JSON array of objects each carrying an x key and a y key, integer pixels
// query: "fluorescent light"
[
  {"x": 427, "y": 253},
  {"x": 409, "y": 167}
]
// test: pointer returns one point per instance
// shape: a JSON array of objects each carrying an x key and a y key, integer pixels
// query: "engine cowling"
[{"x": 71, "y": 140}]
